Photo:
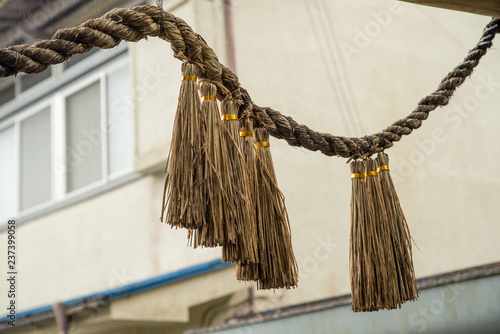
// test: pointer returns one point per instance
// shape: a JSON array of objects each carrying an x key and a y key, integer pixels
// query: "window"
[
  {"x": 13, "y": 87},
  {"x": 76, "y": 139},
  {"x": 83, "y": 137},
  {"x": 35, "y": 159},
  {"x": 119, "y": 115},
  {"x": 8, "y": 173}
]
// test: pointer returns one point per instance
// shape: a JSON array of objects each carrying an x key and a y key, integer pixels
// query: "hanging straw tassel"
[
  {"x": 238, "y": 189},
  {"x": 278, "y": 264},
  {"x": 400, "y": 233},
  {"x": 374, "y": 283},
  {"x": 183, "y": 199},
  {"x": 219, "y": 227},
  {"x": 362, "y": 266},
  {"x": 386, "y": 280},
  {"x": 251, "y": 270}
]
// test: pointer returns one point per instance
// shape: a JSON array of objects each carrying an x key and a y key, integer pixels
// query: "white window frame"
[
  {"x": 57, "y": 103},
  {"x": 16, "y": 122}
]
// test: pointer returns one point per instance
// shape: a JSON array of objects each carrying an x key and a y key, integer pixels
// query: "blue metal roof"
[{"x": 129, "y": 289}]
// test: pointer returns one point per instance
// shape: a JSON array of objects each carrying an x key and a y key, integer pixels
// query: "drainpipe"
[
  {"x": 228, "y": 16},
  {"x": 251, "y": 297},
  {"x": 62, "y": 319}
]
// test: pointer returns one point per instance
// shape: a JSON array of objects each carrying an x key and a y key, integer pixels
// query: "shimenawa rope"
[{"x": 134, "y": 24}]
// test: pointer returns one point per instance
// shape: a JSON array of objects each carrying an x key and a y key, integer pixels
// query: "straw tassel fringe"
[
  {"x": 183, "y": 199},
  {"x": 362, "y": 271},
  {"x": 219, "y": 227},
  {"x": 221, "y": 185},
  {"x": 238, "y": 188},
  {"x": 400, "y": 233},
  {"x": 251, "y": 270},
  {"x": 381, "y": 268},
  {"x": 385, "y": 281},
  {"x": 278, "y": 264}
]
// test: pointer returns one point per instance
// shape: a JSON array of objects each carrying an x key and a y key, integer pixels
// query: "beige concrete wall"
[
  {"x": 108, "y": 241},
  {"x": 314, "y": 64},
  {"x": 353, "y": 68}
]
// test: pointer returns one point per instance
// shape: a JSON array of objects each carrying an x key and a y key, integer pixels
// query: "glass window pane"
[
  {"x": 35, "y": 159},
  {"x": 8, "y": 174},
  {"x": 120, "y": 130},
  {"x": 83, "y": 137}
]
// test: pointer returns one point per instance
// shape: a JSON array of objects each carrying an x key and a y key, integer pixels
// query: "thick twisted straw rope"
[{"x": 134, "y": 24}]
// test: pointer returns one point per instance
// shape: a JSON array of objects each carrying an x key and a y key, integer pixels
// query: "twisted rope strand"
[{"x": 134, "y": 24}]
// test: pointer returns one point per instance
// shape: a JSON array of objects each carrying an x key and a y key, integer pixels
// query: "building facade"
[{"x": 83, "y": 147}]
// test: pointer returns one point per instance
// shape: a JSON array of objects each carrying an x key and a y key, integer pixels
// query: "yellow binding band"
[
  {"x": 229, "y": 117},
  {"x": 262, "y": 144},
  {"x": 189, "y": 77},
  {"x": 371, "y": 173},
  {"x": 208, "y": 97},
  {"x": 246, "y": 134},
  {"x": 357, "y": 176},
  {"x": 383, "y": 167}
]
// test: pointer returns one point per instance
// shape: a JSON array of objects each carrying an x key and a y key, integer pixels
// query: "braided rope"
[{"x": 134, "y": 24}]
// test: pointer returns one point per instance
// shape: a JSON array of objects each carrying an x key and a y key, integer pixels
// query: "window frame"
[
  {"x": 56, "y": 101},
  {"x": 16, "y": 123},
  {"x": 60, "y": 78}
]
